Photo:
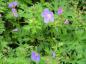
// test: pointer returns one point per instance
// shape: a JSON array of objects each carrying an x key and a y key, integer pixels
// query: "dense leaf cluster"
[{"x": 19, "y": 36}]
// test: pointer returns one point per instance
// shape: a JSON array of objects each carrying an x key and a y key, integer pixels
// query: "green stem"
[{"x": 37, "y": 63}]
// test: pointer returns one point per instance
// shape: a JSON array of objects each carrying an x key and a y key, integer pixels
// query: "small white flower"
[
  {"x": 53, "y": 54},
  {"x": 15, "y": 30},
  {"x": 0, "y": 15},
  {"x": 66, "y": 21}
]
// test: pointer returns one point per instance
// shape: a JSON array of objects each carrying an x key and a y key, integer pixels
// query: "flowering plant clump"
[{"x": 54, "y": 29}]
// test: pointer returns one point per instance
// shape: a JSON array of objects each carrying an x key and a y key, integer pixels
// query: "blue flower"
[
  {"x": 47, "y": 15},
  {"x": 12, "y": 4},
  {"x": 60, "y": 11},
  {"x": 14, "y": 11},
  {"x": 35, "y": 57}
]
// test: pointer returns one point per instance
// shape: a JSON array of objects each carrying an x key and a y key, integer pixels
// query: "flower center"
[
  {"x": 36, "y": 55},
  {"x": 49, "y": 15}
]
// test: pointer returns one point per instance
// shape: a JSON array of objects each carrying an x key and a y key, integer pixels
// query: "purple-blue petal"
[
  {"x": 46, "y": 11},
  {"x": 52, "y": 19},
  {"x": 60, "y": 11},
  {"x": 12, "y": 4},
  {"x": 14, "y": 11},
  {"x": 46, "y": 20},
  {"x": 15, "y": 3},
  {"x": 35, "y": 57}
]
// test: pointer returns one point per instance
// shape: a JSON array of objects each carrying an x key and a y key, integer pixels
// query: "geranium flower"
[
  {"x": 35, "y": 57},
  {"x": 14, "y": 11},
  {"x": 47, "y": 15},
  {"x": 60, "y": 11},
  {"x": 12, "y": 4}
]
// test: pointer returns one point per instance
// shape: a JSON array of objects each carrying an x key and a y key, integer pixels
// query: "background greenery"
[{"x": 68, "y": 41}]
